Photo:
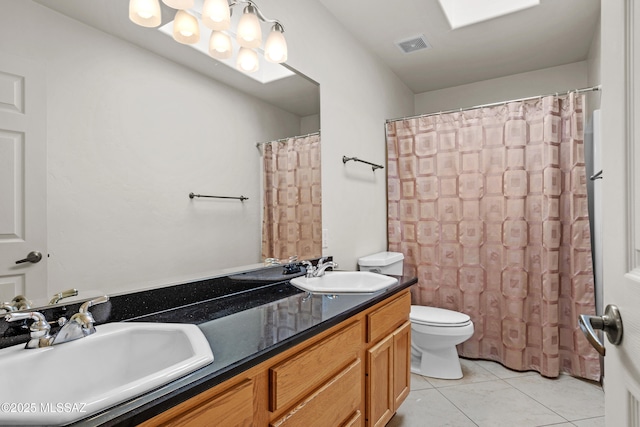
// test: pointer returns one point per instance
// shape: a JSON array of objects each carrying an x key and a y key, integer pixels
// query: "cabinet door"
[
  {"x": 401, "y": 364},
  {"x": 380, "y": 398}
]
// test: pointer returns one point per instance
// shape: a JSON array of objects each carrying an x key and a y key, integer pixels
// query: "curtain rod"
[
  {"x": 493, "y": 104},
  {"x": 258, "y": 144}
]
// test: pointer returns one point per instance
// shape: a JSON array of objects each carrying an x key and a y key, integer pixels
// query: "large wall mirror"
[{"x": 134, "y": 122}]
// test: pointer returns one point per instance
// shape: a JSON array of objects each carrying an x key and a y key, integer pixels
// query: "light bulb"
[
  {"x": 220, "y": 45},
  {"x": 216, "y": 14},
  {"x": 145, "y": 13},
  {"x": 275, "y": 49},
  {"x": 185, "y": 28},
  {"x": 247, "y": 60},
  {"x": 249, "y": 32},
  {"x": 179, "y": 4}
]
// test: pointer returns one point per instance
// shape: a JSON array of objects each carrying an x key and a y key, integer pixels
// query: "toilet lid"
[{"x": 433, "y": 316}]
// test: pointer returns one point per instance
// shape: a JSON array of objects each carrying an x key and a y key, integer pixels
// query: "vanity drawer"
[
  {"x": 311, "y": 367},
  {"x": 387, "y": 318},
  {"x": 232, "y": 407},
  {"x": 336, "y": 403}
]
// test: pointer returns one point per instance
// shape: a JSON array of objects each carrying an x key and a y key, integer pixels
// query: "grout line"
[{"x": 456, "y": 406}]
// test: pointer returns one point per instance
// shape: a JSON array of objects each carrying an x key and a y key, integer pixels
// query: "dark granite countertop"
[{"x": 247, "y": 318}]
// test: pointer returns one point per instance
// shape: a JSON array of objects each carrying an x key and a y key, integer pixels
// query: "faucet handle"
[
  {"x": 84, "y": 317},
  {"x": 39, "y": 329},
  {"x": 19, "y": 302},
  {"x": 84, "y": 308},
  {"x": 64, "y": 294},
  {"x": 40, "y": 323}
]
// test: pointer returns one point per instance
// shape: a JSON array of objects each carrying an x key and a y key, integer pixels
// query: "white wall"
[
  {"x": 309, "y": 124},
  {"x": 130, "y": 134},
  {"x": 593, "y": 70},
  {"x": 357, "y": 94},
  {"x": 539, "y": 82}
]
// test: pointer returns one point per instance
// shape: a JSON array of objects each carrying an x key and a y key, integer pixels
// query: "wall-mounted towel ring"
[
  {"x": 241, "y": 198},
  {"x": 374, "y": 166}
]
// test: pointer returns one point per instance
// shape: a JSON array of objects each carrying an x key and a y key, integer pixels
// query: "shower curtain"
[
  {"x": 292, "y": 199},
  {"x": 489, "y": 207}
]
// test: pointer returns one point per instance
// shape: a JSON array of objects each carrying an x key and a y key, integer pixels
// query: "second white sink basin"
[
  {"x": 345, "y": 282},
  {"x": 67, "y": 382}
]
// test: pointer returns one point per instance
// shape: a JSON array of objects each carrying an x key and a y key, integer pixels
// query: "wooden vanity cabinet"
[
  {"x": 355, "y": 374},
  {"x": 388, "y": 357}
]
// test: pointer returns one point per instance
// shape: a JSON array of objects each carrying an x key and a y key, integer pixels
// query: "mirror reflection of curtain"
[
  {"x": 489, "y": 207},
  {"x": 292, "y": 218}
]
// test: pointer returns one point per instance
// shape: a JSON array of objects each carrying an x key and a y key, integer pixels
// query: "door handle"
[
  {"x": 610, "y": 323},
  {"x": 32, "y": 257}
]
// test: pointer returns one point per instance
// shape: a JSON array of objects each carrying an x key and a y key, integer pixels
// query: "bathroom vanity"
[
  {"x": 355, "y": 373},
  {"x": 282, "y": 357}
]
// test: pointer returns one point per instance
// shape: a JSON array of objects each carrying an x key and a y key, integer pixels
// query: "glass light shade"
[
  {"x": 247, "y": 60},
  {"x": 185, "y": 28},
  {"x": 179, "y": 4},
  {"x": 216, "y": 14},
  {"x": 220, "y": 45},
  {"x": 249, "y": 32},
  {"x": 145, "y": 13},
  {"x": 275, "y": 49}
]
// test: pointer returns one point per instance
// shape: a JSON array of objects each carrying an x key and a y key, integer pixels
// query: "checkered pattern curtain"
[
  {"x": 489, "y": 207},
  {"x": 292, "y": 217}
]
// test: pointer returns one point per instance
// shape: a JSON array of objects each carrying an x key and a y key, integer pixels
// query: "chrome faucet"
[
  {"x": 319, "y": 269},
  {"x": 80, "y": 325},
  {"x": 39, "y": 329},
  {"x": 20, "y": 302}
]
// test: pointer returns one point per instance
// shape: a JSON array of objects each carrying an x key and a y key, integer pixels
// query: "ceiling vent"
[{"x": 413, "y": 44}]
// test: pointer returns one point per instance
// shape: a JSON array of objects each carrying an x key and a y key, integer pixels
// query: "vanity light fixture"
[
  {"x": 275, "y": 49},
  {"x": 249, "y": 31},
  {"x": 185, "y": 28},
  {"x": 220, "y": 45},
  {"x": 247, "y": 60},
  {"x": 216, "y": 15},
  {"x": 145, "y": 13}
]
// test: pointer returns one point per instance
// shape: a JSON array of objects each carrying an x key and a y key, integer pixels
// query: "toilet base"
[{"x": 441, "y": 363}]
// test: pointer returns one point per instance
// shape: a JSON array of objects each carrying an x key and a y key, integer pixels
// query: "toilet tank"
[{"x": 382, "y": 262}]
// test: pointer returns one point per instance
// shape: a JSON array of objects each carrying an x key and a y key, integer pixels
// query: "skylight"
[{"x": 461, "y": 13}]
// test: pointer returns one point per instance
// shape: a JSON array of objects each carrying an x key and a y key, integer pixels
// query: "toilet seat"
[{"x": 440, "y": 317}]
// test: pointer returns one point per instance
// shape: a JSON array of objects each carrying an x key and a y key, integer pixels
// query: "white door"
[
  {"x": 23, "y": 178},
  {"x": 620, "y": 105}
]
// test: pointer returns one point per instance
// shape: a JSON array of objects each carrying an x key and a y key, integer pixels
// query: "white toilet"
[{"x": 435, "y": 332}]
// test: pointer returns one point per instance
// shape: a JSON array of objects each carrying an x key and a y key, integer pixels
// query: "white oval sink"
[
  {"x": 345, "y": 282},
  {"x": 67, "y": 382}
]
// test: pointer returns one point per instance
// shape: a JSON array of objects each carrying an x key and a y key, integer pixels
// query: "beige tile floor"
[{"x": 490, "y": 395}]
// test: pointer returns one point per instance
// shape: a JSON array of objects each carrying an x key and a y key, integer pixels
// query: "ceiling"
[{"x": 556, "y": 32}]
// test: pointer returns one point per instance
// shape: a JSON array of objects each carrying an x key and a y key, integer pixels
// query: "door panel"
[
  {"x": 22, "y": 178},
  {"x": 620, "y": 105}
]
